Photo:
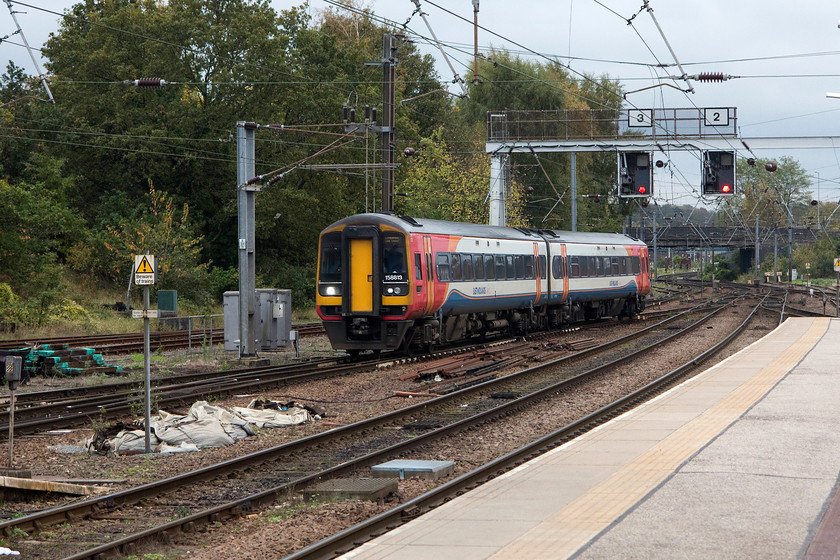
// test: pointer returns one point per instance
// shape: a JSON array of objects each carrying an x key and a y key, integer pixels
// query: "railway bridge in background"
[
  {"x": 732, "y": 237},
  {"x": 704, "y": 238}
]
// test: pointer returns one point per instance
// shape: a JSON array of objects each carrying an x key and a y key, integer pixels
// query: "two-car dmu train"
[{"x": 389, "y": 282}]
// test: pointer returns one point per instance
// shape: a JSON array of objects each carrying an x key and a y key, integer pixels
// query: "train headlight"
[
  {"x": 390, "y": 291},
  {"x": 330, "y": 290}
]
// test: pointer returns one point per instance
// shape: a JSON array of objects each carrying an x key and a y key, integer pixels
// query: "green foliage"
[
  {"x": 513, "y": 83},
  {"x": 444, "y": 186},
  {"x": 724, "y": 271},
  {"x": 223, "y": 280},
  {"x": 166, "y": 233},
  {"x": 770, "y": 195}
]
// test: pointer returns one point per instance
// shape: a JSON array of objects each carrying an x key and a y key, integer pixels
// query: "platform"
[{"x": 741, "y": 461}]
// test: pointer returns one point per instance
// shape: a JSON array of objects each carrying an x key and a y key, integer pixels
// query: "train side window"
[
  {"x": 636, "y": 262},
  {"x": 500, "y": 267},
  {"x": 519, "y": 266},
  {"x": 489, "y": 271},
  {"x": 478, "y": 263},
  {"x": 614, "y": 266},
  {"x": 467, "y": 267},
  {"x": 455, "y": 267},
  {"x": 574, "y": 267},
  {"x": 599, "y": 266},
  {"x": 510, "y": 268},
  {"x": 442, "y": 263},
  {"x": 622, "y": 265},
  {"x": 557, "y": 267},
  {"x": 529, "y": 267},
  {"x": 418, "y": 268},
  {"x": 541, "y": 265}
]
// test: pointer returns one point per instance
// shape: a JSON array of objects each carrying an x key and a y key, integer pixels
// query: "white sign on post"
[
  {"x": 640, "y": 118},
  {"x": 837, "y": 264},
  {"x": 716, "y": 116},
  {"x": 144, "y": 270}
]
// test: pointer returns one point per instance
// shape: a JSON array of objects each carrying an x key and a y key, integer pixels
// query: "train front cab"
[{"x": 364, "y": 287}]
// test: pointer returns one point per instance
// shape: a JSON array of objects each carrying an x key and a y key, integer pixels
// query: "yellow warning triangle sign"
[{"x": 144, "y": 267}]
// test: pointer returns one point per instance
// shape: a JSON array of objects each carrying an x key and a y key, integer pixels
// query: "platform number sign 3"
[{"x": 640, "y": 118}]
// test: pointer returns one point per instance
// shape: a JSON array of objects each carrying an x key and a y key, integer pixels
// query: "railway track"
[
  {"x": 129, "y": 343},
  {"x": 39, "y": 411},
  {"x": 337, "y": 452},
  {"x": 352, "y": 537}
]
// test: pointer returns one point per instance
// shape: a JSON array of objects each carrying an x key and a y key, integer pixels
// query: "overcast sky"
[{"x": 787, "y": 54}]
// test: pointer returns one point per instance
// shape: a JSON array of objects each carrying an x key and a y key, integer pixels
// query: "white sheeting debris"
[{"x": 205, "y": 425}]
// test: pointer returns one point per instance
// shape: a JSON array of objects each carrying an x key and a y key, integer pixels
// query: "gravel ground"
[{"x": 293, "y": 524}]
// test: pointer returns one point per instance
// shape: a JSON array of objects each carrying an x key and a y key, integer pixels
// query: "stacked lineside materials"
[{"x": 59, "y": 359}]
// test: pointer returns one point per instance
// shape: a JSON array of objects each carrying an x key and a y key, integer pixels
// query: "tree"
[
  {"x": 444, "y": 186},
  {"x": 165, "y": 232},
  {"x": 775, "y": 196},
  {"x": 510, "y": 83}
]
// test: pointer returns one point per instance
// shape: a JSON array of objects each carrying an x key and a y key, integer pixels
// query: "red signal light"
[
  {"x": 642, "y": 189},
  {"x": 725, "y": 189}
]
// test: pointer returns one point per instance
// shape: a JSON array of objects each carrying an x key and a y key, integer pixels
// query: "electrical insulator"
[
  {"x": 367, "y": 113},
  {"x": 149, "y": 82},
  {"x": 353, "y": 115},
  {"x": 373, "y": 115},
  {"x": 344, "y": 115},
  {"x": 712, "y": 77}
]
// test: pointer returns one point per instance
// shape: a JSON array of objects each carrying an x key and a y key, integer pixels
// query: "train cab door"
[
  {"x": 428, "y": 283},
  {"x": 361, "y": 250}
]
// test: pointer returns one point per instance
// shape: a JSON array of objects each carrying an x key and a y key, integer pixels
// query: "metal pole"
[
  {"x": 790, "y": 245},
  {"x": 757, "y": 250},
  {"x": 11, "y": 426},
  {"x": 574, "y": 191},
  {"x": 775, "y": 256},
  {"x": 388, "y": 68},
  {"x": 189, "y": 335},
  {"x": 475, "y": 41},
  {"x": 245, "y": 170},
  {"x": 147, "y": 397},
  {"x": 29, "y": 50},
  {"x": 498, "y": 180},
  {"x": 714, "y": 268},
  {"x": 655, "y": 249},
  {"x": 818, "y": 200}
]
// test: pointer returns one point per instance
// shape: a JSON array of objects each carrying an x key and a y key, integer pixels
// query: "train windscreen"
[
  {"x": 329, "y": 269},
  {"x": 393, "y": 258}
]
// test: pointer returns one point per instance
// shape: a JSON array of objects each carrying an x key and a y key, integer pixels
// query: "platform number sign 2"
[{"x": 716, "y": 116}]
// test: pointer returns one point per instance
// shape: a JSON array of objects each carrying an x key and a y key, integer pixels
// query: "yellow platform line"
[{"x": 569, "y": 529}]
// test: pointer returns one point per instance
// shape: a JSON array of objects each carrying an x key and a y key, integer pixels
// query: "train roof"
[{"x": 423, "y": 225}]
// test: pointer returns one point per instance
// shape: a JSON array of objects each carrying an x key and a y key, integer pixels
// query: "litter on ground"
[{"x": 205, "y": 425}]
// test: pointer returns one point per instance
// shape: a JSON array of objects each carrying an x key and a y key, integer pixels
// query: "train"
[{"x": 396, "y": 283}]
